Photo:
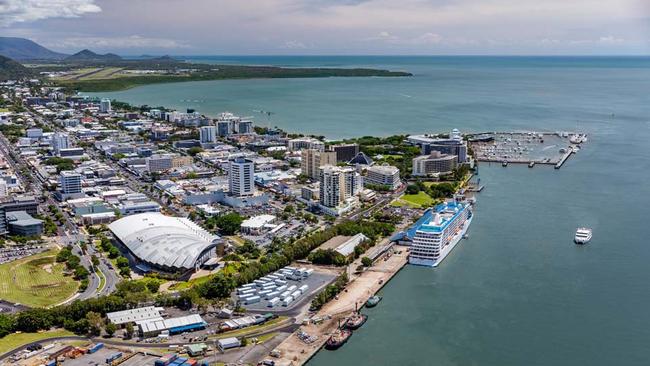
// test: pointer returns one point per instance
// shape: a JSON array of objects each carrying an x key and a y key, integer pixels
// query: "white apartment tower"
[
  {"x": 241, "y": 177},
  {"x": 60, "y": 141},
  {"x": 105, "y": 105},
  {"x": 208, "y": 134}
]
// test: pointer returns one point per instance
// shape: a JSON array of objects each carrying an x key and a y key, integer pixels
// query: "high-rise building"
[
  {"x": 243, "y": 126},
  {"x": 345, "y": 152},
  {"x": 241, "y": 177},
  {"x": 70, "y": 182},
  {"x": 383, "y": 175},
  {"x": 338, "y": 184},
  {"x": 435, "y": 163},
  {"x": 312, "y": 160},
  {"x": 60, "y": 141},
  {"x": 208, "y": 134},
  {"x": 105, "y": 105},
  {"x": 3, "y": 188}
]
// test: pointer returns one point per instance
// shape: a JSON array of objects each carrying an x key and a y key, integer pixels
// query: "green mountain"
[
  {"x": 11, "y": 70},
  {"x": 25, "y": 49},
  {"x": 88, "y": 55}
]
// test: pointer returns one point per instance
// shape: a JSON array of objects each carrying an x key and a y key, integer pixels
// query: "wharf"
[
  {"x": 294, "y": 351},
  {"x": 564, "y": 158}
]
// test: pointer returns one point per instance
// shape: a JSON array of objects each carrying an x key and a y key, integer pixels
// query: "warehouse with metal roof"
[
  {"x": 153, "y": 327},
  {"x": 164, "y": 242},
  {"x": 134, "y": 315}
]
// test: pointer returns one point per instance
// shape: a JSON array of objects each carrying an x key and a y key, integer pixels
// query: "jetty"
[
  {"x": 294, "y": 351},
  {"x": 564, "y": 158}
]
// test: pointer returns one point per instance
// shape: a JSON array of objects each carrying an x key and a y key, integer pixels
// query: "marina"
[{"x": 529, "y": 148}]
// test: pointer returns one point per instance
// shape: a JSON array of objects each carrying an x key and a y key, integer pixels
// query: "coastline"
[{"x": 360, "y": 288}]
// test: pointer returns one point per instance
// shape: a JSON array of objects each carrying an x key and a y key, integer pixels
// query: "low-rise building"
[{"x": 383, "y": 175}]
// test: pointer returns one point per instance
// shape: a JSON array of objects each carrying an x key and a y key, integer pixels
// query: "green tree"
[
  {"x": 110, "y": 329},
  {"x": 367, "y": 262},
  {"x": 230, "y": 223},
  {"x": 129, "y": 330}
]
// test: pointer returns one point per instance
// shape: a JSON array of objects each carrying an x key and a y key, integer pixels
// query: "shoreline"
[{"x": 293, "y": 351}]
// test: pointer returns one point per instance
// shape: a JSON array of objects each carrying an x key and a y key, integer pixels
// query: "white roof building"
[
  {"x": 258, "y": 223},
  {"x": 134, "y": 315},
  {"x": 166, "y": 242},
  {"x": 347, "y": 248}
]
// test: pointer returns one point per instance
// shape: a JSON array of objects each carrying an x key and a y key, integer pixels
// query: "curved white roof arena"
[{"x": 162, "y": 240}]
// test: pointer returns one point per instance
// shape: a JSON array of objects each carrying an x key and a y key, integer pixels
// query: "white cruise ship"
[{"x": 438, "y": 234}]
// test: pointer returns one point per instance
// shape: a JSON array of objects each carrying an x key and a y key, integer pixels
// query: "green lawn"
[
  {"x": 250, "y": 330},
  {"x": 417, "y": 200},
  {"x": 15, "y": 340},
  {"x": 36, "y": 281}
]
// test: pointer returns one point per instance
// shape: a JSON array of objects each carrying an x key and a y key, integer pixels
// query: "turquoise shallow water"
[{"x": 518, "y": 291}]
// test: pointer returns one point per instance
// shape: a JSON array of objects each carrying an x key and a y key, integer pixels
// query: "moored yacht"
[{"x": 583, "y": 236}]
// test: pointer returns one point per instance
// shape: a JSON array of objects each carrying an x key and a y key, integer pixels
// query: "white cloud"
[
  {"x": 18, "y": 11},
  {"x": 134, "y": 41},
  {"x": 294, "y": 45}
]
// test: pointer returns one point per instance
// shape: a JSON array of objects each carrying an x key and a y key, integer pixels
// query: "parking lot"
[
  {"x": 315, "y": 282},
  {"x": 99, "y": 358}
]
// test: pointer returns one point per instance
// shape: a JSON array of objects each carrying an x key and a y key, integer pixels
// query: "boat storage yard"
[{"x": 282, "y": 290}]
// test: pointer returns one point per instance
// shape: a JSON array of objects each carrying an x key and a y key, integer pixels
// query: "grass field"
[
  {"x": 250, "y": 330},
  {"x": 36, "y": 281},
  {"x": 415, "y": 200},
  {"x": 18, "y": 339}
]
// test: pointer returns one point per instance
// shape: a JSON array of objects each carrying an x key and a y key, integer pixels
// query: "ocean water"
[{"x": 518, "y": 291}]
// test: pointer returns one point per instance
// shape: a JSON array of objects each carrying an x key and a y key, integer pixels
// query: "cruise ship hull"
[{"x": 445, "y": 251}]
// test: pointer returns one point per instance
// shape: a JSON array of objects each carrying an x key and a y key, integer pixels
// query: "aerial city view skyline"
[{"x": 293, "y": 182}]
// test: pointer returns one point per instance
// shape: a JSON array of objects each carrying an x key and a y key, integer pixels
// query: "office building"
[
  {"x": 454, "y": 145},
  {"x": 159, "y": 163},
  {"x": 69, "y": 182},
  {"x": 243, "y": 127},
  {"x": 34, "y": 133},
  {"x": 12, "y": 204},
  {"x": 312, "y": 160},
  {"x": 383, "y": 175},
  {"x": 208, "y": 134},
  {"x": 436, "y": 163},
  {"x": 345, "y": 152},
  {"x": 241, "y": 177},
  {"x": 23, "y": 224},
  {"x": 105, "y": 106}
]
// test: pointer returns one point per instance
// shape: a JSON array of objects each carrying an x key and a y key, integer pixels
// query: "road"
[{"x": 68, "y": 233}]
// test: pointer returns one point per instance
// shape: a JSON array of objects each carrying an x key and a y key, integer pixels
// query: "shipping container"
[
  {"x": 292, "y": 288},
  {"x": 271, "y": 295},
  {"x": 307, "y": 273},
  {"x": 96, "y": 347},
  {"x": 273, "y": 302},
  {"x": 303, "y": 288},
  {"x": 113, "y": 357},
  {"x": 280, "y": 282},
  {"x": 263, "y": 293},
  {"x": 296, "y": 294},
  {"x": 285, "y": 294}
]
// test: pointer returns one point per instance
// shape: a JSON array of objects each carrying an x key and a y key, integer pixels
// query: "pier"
[
  {"x": 564, "y": 158},
  {"x": 293, "y": 351}
]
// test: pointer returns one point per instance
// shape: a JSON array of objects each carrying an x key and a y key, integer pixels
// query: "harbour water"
[{"x": 518, "y": 291}]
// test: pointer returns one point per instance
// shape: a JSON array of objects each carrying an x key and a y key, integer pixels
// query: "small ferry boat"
[
  {"x": 338, "y": 339},
  {"x": 355, "y": 321},
  {"x": 373, "y": 301},
  {"x": 583, "y": 236},
  {"x": 531, "y": 164},
  {"x": 504, "y": 163}
]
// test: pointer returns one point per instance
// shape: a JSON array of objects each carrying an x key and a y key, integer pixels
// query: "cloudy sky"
[{"x": 239, "y": 27}]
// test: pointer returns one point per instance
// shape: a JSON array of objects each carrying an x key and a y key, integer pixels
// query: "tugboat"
[
  {"x": 373, "y": 301},
  {"x": 355, "y": 321},
  {"x": 338, "y": 339}
]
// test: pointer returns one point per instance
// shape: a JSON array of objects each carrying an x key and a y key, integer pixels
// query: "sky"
[{"x": 333, "y": 27}]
